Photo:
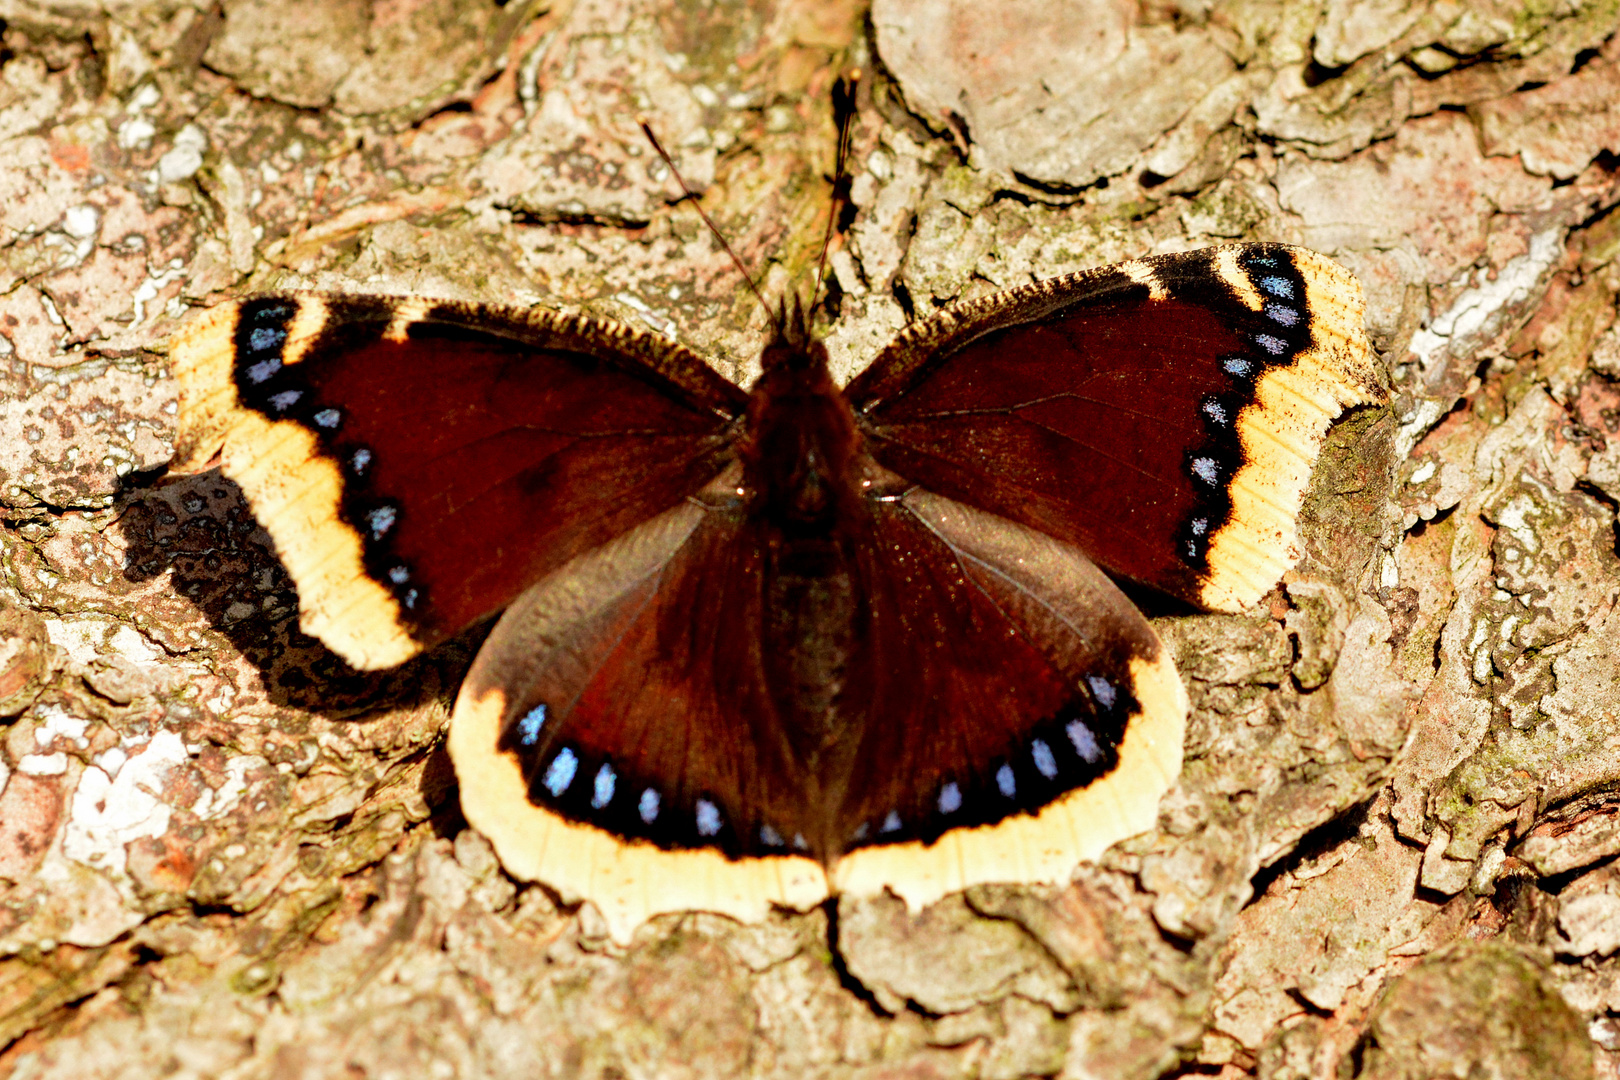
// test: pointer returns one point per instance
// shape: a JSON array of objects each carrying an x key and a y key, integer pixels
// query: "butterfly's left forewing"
[{"x": 419, "y": 463}]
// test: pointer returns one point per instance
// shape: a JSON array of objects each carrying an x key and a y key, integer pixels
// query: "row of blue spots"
[
  {"x": 564, "y": 768},
  {"x": 263, "y": 347},
  {"x": 1207, "y": 468},
  {"x": 1080, "y": 736},
  {"x": 1282, "y": 289},
  {"x": 378, "y": 520},
  {"x": 265, "y": 339}
]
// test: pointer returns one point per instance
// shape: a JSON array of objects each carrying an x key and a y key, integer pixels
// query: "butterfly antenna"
[
  {"x": 646, "y": 129},
  {"x": 843, "y": 95}
]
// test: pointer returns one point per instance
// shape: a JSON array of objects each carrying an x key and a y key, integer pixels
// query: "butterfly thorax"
[{"x": 802, "y": 450}]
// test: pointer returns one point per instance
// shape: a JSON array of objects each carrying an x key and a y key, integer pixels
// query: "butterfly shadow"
[{"x": 199, "y": 532}]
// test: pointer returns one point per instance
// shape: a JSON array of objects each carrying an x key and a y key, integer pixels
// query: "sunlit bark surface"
[{"x": 1391, "y": 853}]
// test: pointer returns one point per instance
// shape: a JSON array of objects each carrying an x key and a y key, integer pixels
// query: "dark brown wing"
[
  {"x": 419, "y": 464},
  {"x": 1163, "y": 414},
  {"x": 1020, "y": 713},
  {"x": 621, "y": 736},
  {"x": 598, "y": 739}
]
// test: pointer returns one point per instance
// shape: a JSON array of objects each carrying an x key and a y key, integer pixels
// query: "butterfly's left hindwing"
[
  {"x": 419, "y": 464},
  {"x": 612, "y": 739}
]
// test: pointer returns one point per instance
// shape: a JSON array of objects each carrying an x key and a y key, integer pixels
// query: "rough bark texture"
[{"x": 1392, "y": 851}]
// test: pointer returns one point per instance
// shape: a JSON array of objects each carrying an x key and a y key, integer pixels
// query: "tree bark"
[{"x": 1390, "y": 854}]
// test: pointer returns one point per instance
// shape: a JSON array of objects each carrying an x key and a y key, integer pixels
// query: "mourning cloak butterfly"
[{"x": 760, "y": 646}]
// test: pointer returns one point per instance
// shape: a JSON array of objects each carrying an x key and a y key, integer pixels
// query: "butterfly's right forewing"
[{"x": 1163, "y": 414}]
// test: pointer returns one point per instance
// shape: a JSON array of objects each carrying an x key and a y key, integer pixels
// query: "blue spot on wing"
[
  {"x": 1276, "y": 346},
  {"x": 266, "y": 338},
  {"x": 381, "y": 520},
  {"x": 1282, "y": 313},
  {"x": 602, "y": 787},
  {"x": 1045, "y": 762},
  {"x": 1006, "y": 781},
  {"x": 560, "y": 773},
  {"x": 1277, "y": 286},
  {"x": 529, "y": 726},
  {"x": 708, "y": 818},
  {"x": 1085, "y": 743}
]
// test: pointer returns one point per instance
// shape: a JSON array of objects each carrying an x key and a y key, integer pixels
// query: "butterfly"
[{"x": 762, "y": 646}]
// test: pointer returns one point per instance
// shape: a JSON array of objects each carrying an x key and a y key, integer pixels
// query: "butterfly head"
[{"x": 792, "y": 348}]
